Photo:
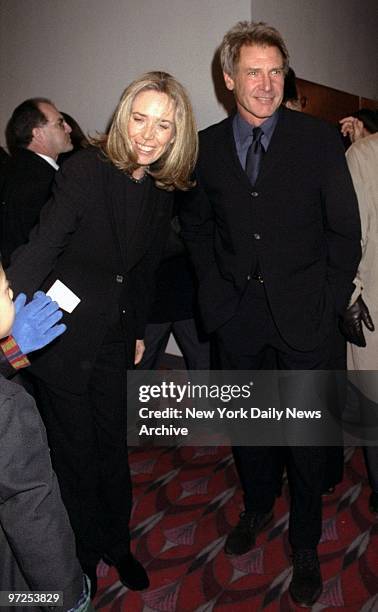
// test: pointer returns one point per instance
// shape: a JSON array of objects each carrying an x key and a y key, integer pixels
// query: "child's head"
[{"x": 7, "y": 312}]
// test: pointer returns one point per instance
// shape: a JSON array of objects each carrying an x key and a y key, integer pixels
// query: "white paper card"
[{"x": 66, "y": 298}]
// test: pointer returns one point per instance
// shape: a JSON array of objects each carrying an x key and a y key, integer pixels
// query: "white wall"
[
  {"x": 82, "y": 53},
  {"x": 332, "y": 42}
]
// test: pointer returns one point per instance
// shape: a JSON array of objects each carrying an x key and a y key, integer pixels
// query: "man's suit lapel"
[
  {"x": 280, "y": 145},
  {"x": 229, "y": 156}
]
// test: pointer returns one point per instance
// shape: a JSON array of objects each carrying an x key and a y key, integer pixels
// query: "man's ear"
[
  {"x": 229, "y": 81},
  {"x": 37, "y": 133}
]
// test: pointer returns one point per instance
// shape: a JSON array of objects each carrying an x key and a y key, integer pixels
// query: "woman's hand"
[
  {"x": 352, "y": 127},
  {"x": 139, "y": 350}
]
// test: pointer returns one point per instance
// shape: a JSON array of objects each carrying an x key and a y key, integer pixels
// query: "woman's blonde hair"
[{"x": 174, "y": 168}]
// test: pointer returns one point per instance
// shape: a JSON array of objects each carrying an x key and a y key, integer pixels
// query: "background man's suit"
[
  {"x": 299, "y": 225},
  {"x": 27, "y": 187}
]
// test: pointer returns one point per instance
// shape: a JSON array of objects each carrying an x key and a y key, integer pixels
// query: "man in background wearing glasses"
[{"x": 36, "y": 135}]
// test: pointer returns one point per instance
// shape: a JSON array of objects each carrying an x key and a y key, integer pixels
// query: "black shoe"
[
  {"x": 373, "y": 502},
  {"x": 306, "y": 584},
  {"x": 131, "y": 573},
  {"x": 243, "y": 536}
]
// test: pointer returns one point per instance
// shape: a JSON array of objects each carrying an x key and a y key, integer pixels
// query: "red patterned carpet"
[{"x": 186, "y": 499}]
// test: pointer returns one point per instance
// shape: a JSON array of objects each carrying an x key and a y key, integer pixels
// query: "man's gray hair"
[{"x": 249, "y": 33}]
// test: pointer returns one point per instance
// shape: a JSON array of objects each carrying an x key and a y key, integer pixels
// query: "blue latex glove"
[{"x": 35, "y": 323}]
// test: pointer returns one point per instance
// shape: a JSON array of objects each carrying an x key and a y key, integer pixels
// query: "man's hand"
[
  {"x": 35, "y": 324},
  {"x": 351, "y": 324},
  {"x": 139, "y": 350}
]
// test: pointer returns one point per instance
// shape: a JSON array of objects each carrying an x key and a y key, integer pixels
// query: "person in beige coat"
[{"x": 362, "y": 158}]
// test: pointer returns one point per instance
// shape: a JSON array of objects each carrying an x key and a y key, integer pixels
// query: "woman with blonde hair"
[{"x": 101, "y": 235}]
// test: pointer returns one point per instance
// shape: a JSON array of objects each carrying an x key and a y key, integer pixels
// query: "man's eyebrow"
[{"x": 261, "y": 68}]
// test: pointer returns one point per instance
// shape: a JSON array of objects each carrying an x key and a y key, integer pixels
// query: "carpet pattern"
[{"x": 185, "y": 501}]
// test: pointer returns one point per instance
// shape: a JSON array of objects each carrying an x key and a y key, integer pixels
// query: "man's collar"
[
  {"x": 49, "y": 160},
  {"x": 245, "y": 129}
]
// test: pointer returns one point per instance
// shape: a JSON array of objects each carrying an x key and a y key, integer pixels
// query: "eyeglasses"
[{"x": 59, "y": 123}]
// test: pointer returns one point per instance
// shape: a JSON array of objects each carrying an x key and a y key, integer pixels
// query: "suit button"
[
  {"x": 119, "y": 278},
  {"x": 123, "y": 311},
  {"x": 254, "y": 194},
  {"x": 256, "y": 236},
  {"x": 248, "y": 277}
]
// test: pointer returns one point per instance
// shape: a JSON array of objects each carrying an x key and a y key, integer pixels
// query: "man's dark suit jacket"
[
  {"x": 300, "y": 222},
  {"x": 27, "y": 187},
  {"x": 79, "y": 241},
  {"x": 4, "y": 160}
]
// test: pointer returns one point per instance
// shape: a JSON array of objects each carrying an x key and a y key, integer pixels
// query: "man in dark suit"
[
  {"x": 273, "y": 229},
  {"x": 36, "y": 134},
  {"x": 4, "y": 159}
]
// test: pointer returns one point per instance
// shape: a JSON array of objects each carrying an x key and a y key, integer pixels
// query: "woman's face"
[
  {"x": 151, "y": 126},
  {"x": 7, "y": 312}
]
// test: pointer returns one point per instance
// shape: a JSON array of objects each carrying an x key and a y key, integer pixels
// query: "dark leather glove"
[
  {"x": 35, "y": 324},
  {"x": 351, "y": 324}
]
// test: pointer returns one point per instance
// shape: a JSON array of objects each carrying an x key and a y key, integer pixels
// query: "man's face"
[
  {"x": 258, "y": 82},
  {"x": 54, "y": 136}
]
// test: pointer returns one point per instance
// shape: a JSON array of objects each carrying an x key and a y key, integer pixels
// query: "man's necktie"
[{"x": 255, "y": 154}]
